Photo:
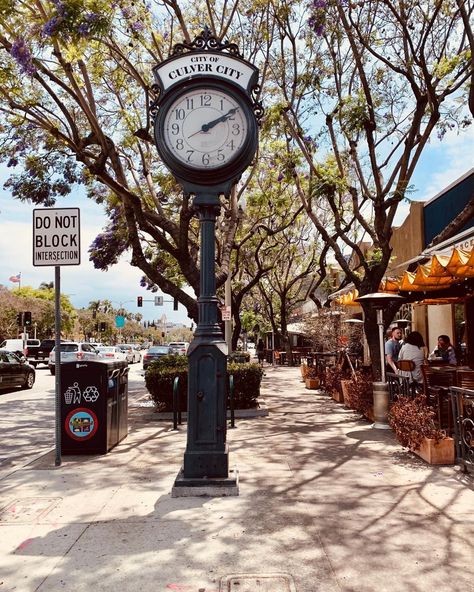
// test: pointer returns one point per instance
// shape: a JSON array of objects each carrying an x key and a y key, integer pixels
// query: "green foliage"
[
  {"x": 239, "y": 357},
  {"x": 412, "y": 420},
  {"x": 160, "y": 376}
]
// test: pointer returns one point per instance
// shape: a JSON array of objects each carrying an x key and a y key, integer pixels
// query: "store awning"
[{"x": 445, "y": 269}]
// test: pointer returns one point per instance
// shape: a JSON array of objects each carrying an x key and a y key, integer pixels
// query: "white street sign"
[
  {"x": 226, "y": 313},
  {"x": 56, "y": 236}
]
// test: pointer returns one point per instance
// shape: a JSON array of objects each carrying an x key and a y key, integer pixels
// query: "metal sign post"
[{"x": 56, "y": 241}]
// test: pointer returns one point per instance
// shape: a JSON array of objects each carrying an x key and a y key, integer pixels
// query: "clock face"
[{"x": 205, "y": 128}]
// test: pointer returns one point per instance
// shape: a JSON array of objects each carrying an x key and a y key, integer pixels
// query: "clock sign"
[{"x": 205, "y": 124}]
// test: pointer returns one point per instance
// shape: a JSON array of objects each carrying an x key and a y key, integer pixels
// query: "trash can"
[{"x": 94, "y": 406}]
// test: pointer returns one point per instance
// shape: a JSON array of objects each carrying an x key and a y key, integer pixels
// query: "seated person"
[
  {"x": 413, "y": 349},
  {"x": 392, "y": 347},
  {"x": 444, "y": 350}
]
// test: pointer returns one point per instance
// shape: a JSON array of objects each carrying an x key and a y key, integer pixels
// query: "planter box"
[
  {"x": 312, "y": 383},
  {"x": 441, "y": 453},
  {"x": 370, "y": 414},
  {"x": 337, "y": 396},
  {"x": 345, "y": 392}
]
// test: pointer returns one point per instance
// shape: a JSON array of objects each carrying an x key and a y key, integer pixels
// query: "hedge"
[{"x": 159, "y": 380}]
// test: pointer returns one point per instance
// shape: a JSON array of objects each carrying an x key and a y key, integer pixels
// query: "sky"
[{"x": 441, "y": 164}]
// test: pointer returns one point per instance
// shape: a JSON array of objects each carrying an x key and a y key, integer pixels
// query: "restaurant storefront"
[{"x": 437, "y": 282}]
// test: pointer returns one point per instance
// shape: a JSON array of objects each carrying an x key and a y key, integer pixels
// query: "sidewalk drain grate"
[
  {"x": 28, "y": 509},
  {"x": 257, "y": 583}
]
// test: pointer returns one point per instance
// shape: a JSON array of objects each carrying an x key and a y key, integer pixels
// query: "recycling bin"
[{"x": 94, "y": 406}]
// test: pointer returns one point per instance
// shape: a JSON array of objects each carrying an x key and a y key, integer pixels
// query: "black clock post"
[{"x": 206, "y": 132}]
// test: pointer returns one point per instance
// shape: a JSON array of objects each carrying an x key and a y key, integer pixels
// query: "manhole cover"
[
  {"x": 258, "y": 583},
  {"x": 28, "y": 509}
]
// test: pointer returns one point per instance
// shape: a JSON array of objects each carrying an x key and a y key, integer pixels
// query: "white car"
[
  {"x": 72, "y": 351},
  {"x": 111, "y": 352},
  {"x": 179, "y": 347},
  {"x": 133, "y": 355}
]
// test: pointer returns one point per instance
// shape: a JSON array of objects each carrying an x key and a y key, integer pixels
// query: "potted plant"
[
  {"x": 334, "y": 376},
  {"x": 312, "y": 379},
  {"x": 412, "y": 421},
  {"x": 359, "y": 394}
]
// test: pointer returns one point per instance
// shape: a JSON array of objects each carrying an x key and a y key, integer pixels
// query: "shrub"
[
  {"x": 170, "y": 361},
  {"x": 159, "y": 380},
  {"x": 360, "y": 392},
  {"x": 412, "y": 420},
  {"x": 309, "y": 371},
  {"x": 334, "y": 375},
  {"x": 247, "y": 381},
  {"x": 239, "y": 357}
]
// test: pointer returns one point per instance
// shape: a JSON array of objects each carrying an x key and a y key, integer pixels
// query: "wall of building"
[
  {"x": 440, "y": 322},
  {"x": 408, "y": 239}
]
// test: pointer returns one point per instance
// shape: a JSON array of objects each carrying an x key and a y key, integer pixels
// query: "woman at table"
[
  {"x": 444, "y": 350},
  {"x": 413, "y": 349}
]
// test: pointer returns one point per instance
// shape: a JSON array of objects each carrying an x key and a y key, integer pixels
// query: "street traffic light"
[
  {"x": 19, "y": 319},
  {"x": 175, "y": 304},
  {"x": 27, "y": 319},
  {"x": 103, "y": 326},
  {"x": 139, "y": 300}
]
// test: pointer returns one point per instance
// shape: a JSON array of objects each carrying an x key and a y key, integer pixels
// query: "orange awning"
[{"x": 441, "y": 271}]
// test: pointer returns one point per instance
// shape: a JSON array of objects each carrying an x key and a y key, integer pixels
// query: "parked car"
[
  {"x": 40, "y": 354},
  {"x": 17, "y": 346},
  {"x": 134, "y": 356},
  {"x": 72, "y": 351},
  {"x": 111, "y": 352},
  {"x": 155, "y": 353},
  {"x": 179, "y": 347},
  {"x": 14, "y": 372}
]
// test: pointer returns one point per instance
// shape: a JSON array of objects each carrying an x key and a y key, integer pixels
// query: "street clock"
[{"x": 205, "y": 118}]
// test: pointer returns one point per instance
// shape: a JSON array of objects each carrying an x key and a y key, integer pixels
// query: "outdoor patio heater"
[{"x": 379, "y": 301}]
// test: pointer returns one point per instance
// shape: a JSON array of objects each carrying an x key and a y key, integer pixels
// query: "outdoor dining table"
[
  {"x": 297, "y": 356},
  {"x": 457, "y": 370}
]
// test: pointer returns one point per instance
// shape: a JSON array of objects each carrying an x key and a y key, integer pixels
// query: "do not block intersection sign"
[{"x": 56, "y": 236}]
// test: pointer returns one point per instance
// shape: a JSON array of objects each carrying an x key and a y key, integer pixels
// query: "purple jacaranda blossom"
[
  {"x": 61, "y": 8},
  {"x": 92, "y": 17},
  {"x": 51, "y": 27},
  {"x": 22, "y": 55},
  {"x": 83, "y": 29},
  {"x": 137, "y": 26}
]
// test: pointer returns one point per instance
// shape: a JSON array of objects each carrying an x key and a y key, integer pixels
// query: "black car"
[
  {"x": 155, "y": 353},
  {"x": 14, "y": 372}
]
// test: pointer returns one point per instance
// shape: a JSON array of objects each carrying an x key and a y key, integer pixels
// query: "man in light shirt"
[{"x": 392, "y": 349}]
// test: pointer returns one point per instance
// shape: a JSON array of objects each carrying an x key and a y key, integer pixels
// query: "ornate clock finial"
[{"x": 206, "y": 41}]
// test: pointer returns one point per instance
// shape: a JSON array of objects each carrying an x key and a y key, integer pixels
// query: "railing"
[
  {"x": 400, "y": 386},
  {"x": 176, "y": 405},
  {"x": 232, "y": 401},
  {"x": 462, "y": 401}
]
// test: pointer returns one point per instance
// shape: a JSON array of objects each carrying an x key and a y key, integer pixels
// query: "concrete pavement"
[{"x": 326, "y": 504}]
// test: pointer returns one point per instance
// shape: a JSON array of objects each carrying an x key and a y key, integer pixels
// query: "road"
[{"x": 27, "y": 418}]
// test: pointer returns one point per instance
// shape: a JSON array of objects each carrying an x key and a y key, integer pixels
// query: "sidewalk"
[{"x": 325, "y": 500}]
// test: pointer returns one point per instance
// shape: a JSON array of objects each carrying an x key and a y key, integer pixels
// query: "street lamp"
[{"x": 379, "y": 301}]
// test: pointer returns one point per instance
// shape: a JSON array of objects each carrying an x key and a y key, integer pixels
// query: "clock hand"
[{"x": 207, "y": 126}]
